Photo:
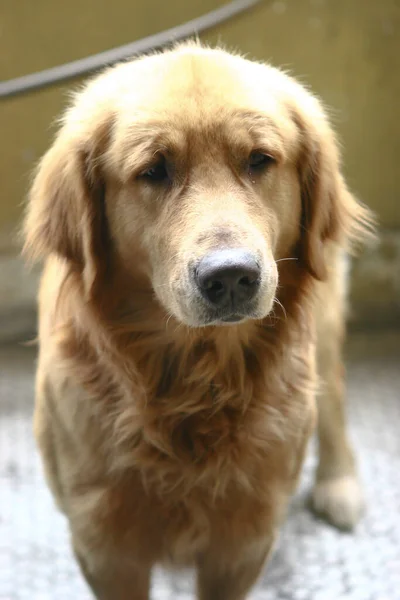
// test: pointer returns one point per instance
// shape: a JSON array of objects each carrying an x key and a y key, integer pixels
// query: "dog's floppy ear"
[
  {"x": 329, "y": 210},
  {"x": 66, "y": 213}
]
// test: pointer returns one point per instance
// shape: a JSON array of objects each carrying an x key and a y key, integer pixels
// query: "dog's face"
[
  {"x": 207, "y": 170},
  {"x": 209, "y": 194}
]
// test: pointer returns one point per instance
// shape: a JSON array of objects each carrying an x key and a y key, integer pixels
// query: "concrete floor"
[{"x": 312, "y": 561}]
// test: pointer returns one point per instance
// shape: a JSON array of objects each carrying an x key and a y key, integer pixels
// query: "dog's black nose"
[{"x": 228, "y": 276}]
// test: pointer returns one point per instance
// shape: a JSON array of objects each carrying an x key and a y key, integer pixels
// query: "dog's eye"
[
  {"x": 259, "y": 161},
  {"x": 157, "y": 173}
]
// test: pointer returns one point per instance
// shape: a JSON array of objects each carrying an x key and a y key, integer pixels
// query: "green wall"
[{"x": 348, "y": 51}]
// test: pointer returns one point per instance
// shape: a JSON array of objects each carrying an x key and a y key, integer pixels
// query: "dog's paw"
[{"x": 339, "y": 501}]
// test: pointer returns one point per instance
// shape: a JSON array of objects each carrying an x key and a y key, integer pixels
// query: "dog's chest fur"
[
  {"x": 209, "y": 427},
  {"x": 207, "y": 446}
]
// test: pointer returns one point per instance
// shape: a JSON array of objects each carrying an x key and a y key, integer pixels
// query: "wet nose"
[{"x": 229, "y": 275}]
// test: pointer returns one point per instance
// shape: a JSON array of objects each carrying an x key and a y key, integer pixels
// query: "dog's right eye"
[{"x": 157, "y": 173}]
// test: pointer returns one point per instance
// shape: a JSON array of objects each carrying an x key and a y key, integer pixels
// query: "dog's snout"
[{"x": 228, "y": 276}]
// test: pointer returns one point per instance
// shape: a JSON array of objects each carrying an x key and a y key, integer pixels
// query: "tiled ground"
[{"x": 312, "y": 561}]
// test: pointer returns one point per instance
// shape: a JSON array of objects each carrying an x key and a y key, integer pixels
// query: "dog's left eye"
[
  {"x": 157, "y": 173},
  {"x": 258, "y": 161}
]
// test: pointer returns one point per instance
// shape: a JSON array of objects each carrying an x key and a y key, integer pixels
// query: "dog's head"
[{"x": 195, "y": 172}]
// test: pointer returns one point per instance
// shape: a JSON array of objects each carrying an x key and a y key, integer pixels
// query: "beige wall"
[{"x": 347, "y": 50}]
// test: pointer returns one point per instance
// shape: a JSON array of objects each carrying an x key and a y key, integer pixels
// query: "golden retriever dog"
[{"x": 194, "y": 222}]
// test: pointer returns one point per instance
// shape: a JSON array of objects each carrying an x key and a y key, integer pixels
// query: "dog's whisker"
[
  {"x": 178, "y": 326},
  {"x": 161, "y": 285},
  {"x": 168, "y": 320},
  {"x": 279, "y": 303}
]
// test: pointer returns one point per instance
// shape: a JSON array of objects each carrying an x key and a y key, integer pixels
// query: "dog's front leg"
[
  {"x": 114, "y": 582},
  {"x": 225, "y": 578}
]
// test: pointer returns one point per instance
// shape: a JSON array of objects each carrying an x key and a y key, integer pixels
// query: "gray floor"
[{"x": 312, "y": 561}]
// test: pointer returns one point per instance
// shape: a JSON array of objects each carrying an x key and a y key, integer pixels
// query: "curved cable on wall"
[{"x": 35, "y": 81}]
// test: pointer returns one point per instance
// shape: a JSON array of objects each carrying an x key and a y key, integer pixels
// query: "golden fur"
[{"x": 164, "y": 439}]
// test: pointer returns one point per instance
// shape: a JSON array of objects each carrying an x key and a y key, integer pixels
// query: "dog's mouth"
[
  {"x": 197, "y": 312},
  {"x": 228, "y": 319},
  {"x": 235, "y": 318},
  {"x": 204, "y": 316},
  {"x": 225, "y": 288}
]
